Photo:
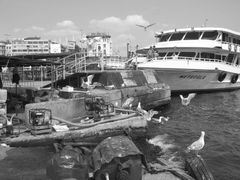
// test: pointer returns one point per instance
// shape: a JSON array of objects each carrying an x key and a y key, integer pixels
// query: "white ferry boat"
[{"x": 196, "y": 59}]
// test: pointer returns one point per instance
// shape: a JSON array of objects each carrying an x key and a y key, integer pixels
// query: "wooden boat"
[{"x": 85, "y": 132}]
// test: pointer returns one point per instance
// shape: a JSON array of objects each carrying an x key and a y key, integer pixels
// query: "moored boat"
[{"x": 195, "y": 59}]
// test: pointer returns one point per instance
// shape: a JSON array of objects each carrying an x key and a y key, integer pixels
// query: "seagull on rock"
[
  {"x": 186, "y": 101},
  {"x": 197, "y": 145}
]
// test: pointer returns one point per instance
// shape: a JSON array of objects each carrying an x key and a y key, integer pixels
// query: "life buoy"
[
  {"x": 234, "y": 78},
  {"x": 222, "y": 76}
]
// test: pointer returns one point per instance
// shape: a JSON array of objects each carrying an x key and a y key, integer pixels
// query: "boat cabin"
[{"x": 204, "y": 44}]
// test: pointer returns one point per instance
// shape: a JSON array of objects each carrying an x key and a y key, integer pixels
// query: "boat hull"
[{"x": 196, "y": 80}]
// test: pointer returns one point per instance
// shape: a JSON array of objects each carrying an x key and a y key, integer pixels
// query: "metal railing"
[
  {"x": 81, "y": 62},
  {"x": 195, "y": 59}
]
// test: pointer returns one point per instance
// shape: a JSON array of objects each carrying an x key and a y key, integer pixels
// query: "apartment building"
[
  {"x": 99, "y": 44},
  {"x": 31, "y": 45},
  {"x": 2, "y": 47}
]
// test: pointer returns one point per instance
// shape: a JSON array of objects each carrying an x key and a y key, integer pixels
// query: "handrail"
[
  {"x": 74, "y": 63},
  {"x": 193, "y": 59}
]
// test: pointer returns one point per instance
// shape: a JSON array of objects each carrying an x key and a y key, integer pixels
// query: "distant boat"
[{"x": 195, "y": 59}]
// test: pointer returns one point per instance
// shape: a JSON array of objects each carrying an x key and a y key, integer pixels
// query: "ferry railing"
[{"x": 196, "y": 59}]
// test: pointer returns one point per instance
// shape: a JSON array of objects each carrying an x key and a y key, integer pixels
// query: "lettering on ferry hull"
[{"x": 192, "y": 77}]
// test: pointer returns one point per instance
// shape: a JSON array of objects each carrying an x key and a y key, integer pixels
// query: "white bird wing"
[
  {"x": 197, "y": 145},
  {"x": 150, "y": 24},
  {"x": 140, "y": 25},
  {"x": 83, "y": 85},
  {"x": 128, "y": 102},
  {"x": 191, "y": 95},
  {"x": 90, "y": 78},
  {"x": 181, "y": 96}
]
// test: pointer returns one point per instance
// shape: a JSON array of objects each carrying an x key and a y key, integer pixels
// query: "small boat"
[
  {"x": 195, "y": 59},
  {"x": 42, "y": 129},
  {"x": 116, "y": 86}
]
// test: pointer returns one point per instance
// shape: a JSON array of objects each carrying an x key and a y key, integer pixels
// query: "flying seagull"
[
  {"x": 145, "y": 27},
  {"x": 186, "y": 101},
  {"x": 147, "y": 114},
  {"x": 88, "y": 83},
  {"x": 161, "y": 119},
  {"x": 197, "y": 145}
]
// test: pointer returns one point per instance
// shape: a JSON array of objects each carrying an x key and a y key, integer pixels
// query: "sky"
[{"x": 62, "y": 20}]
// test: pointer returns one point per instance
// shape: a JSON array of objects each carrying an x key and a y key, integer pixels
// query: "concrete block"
[{"x": 63, "y": 108}]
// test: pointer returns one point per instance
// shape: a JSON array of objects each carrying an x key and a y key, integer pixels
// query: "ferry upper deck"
[{"x": 202, "y": 37}]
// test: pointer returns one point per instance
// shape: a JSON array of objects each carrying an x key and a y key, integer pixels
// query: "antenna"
[{"x": 205, "y": 22}]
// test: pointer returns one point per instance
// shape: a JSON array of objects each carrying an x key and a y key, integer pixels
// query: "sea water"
[{"x": 218, "y": 114}]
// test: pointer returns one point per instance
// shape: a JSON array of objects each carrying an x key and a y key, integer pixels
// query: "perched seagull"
[
  {"x": 145, "y": 27},
  {"x": 128, "y": 102},
  {"x": 88, "y": 83},
  {"x": 109, "y": 87},
  {"x": 186, "y": 101},
  {"x": 139, "y": 109},
  {"x": 197, "y": 145}
]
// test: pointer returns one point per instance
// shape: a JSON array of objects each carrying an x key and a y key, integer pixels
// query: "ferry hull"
[{"x": 196, "y": 81}]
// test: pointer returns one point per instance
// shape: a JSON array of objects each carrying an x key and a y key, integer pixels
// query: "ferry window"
[
  {"x": 162, "y": 54},
  {"x": 187, "y": 54},
  {"x": 230, "y": 58},
  {"x": 218, "y": 57},
  {"x": 210, "y": 35},
  {"x": 193, "y": 35},
  {"x": 177, "y": 36},
  {"x": 238, "y": 61},
  {"x": 223, "y": 58},
  {"x": 207, "y": 55},
  {"x": 238, "y": 41},
  {"x": 225, "y": 37},
  {"x": 164, "y": 37},
  {"x": 169, "y": 53}
]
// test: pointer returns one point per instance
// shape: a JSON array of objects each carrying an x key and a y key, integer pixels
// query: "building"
[
  {"x": 31, "y": 45},
  {"x": 2, "y": 48},
  {"x": 99, "y": 44},
  {"x": 55, "y": 48}
]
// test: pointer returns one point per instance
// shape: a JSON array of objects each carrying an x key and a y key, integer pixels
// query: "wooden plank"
[
  {"x": 134, "y": 126},
  {"x": 198, "y": 168}
]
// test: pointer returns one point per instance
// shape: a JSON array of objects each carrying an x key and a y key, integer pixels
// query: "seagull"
[
  {"x": 145, "y": 27},
  {"x": 109, "y": 87},
  {"x": 186, "y": 101},
  {"x": 128, "y": 102},
  {"x": 161, "y": 119},
  {"x": 88, "y": 83},
  {"x": 139, "y": 109},
  {"x": 197, "y": 145},
  {"x": 147, "y": 114},
  {"x": 107, "y": 176}
]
